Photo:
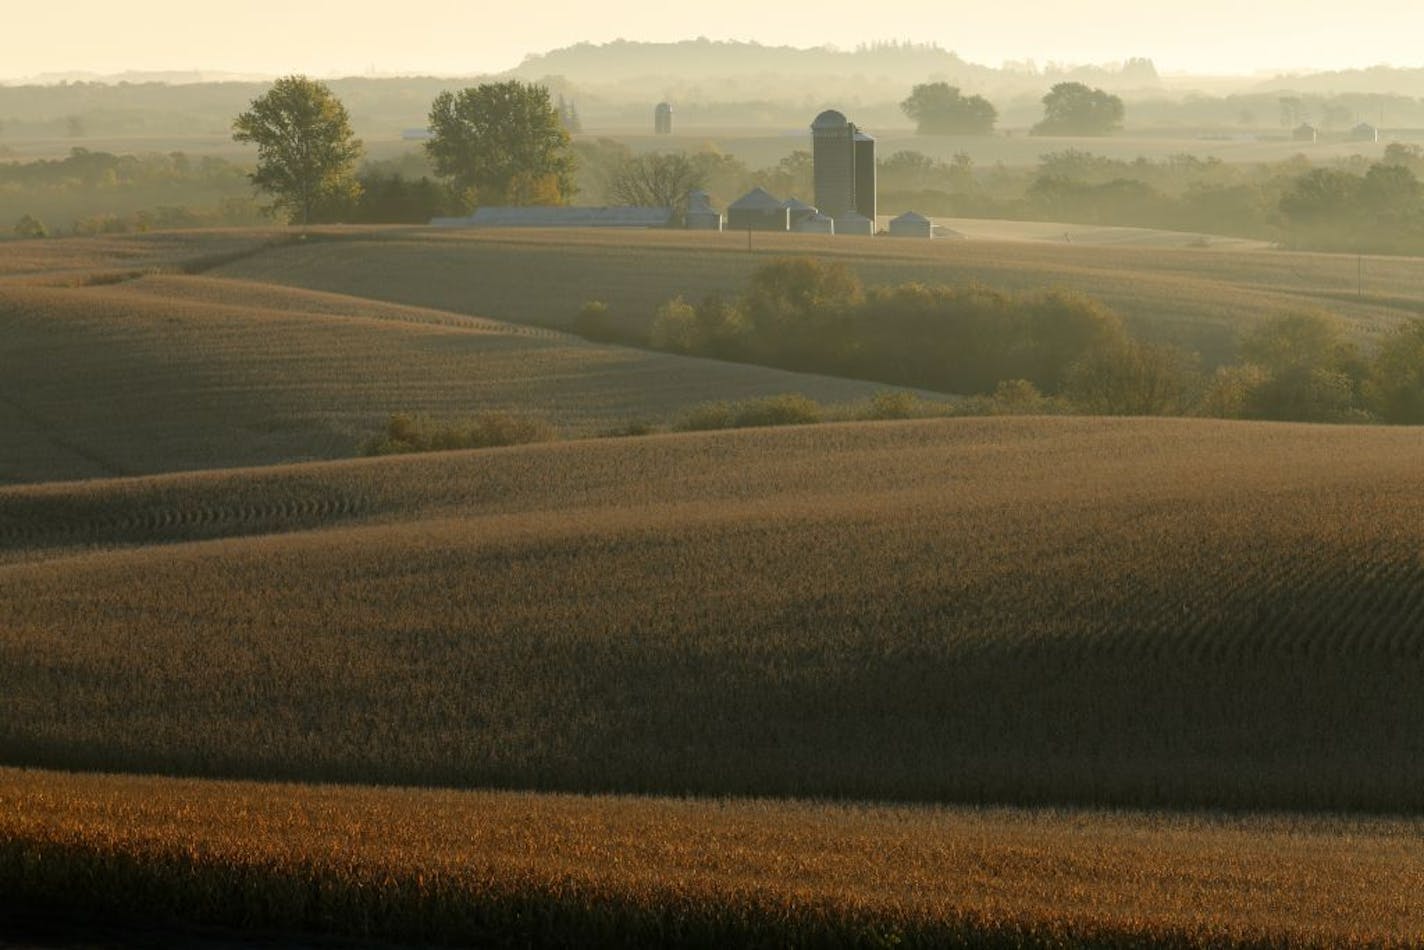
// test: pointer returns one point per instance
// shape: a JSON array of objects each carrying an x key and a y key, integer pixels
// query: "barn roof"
[{"x": 758, "y": 199}]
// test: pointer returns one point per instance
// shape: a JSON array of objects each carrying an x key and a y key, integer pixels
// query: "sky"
[{"x": 468, "y": 37}]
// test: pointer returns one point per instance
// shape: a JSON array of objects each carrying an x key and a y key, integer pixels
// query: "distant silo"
[
  {"x": 864, "y": 174},
  {"x": 662, "y": 119},
  {"x": 833, "y": 159}
]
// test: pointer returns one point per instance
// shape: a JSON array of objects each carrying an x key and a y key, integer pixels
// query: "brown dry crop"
[
  {"x": 1157, "y": 613},
  {"x": 169, "y": 373},
  {"x": 523, "y": 869}
]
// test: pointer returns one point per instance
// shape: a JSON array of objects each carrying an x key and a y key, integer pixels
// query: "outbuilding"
[
  {"x": 912, "y": 224},
  {"x": 853, "y": 223},
  {"x": 816, "y": 224},
  {"x": 758, "y": 210},
  {"x": 701, "y": 216}
]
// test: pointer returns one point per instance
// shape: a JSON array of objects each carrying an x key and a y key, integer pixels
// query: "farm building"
[
  {"x": 912, "y": 224},
  {"x": 816, "y": 224},
  {"x": 758, "y": 210},
  {"x": 662, "y": 119},
  {"x": 560, "y": 217},
  {"x": 798, "y": 211},
  {"x": 1305, "y": 133},
  {"x": 701, "y": 216},
  {"x": 1364, "y": 132},
  {"x": 853, "y": 223}
]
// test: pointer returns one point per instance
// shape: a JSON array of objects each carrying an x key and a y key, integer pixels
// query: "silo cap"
[{"x": 830, "y": 119}]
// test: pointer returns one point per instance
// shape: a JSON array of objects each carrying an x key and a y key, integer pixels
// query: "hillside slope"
[
  {"x": 1106, "y": 611},
  {"x": 1199, "y": 298},
  {"x": 176, "y": 372}
]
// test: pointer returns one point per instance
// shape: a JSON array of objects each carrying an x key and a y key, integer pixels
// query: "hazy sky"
[{"x": 474, "y": 36}]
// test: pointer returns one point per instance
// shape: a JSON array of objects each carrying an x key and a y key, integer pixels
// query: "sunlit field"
[{"x": 515, "y": 869}]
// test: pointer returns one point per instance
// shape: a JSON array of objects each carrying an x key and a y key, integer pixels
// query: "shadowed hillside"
[
  {"x": 168, "y": 373},
  {"x": 1150, "y": 612},
  {"x": 1197, "y": 298}
]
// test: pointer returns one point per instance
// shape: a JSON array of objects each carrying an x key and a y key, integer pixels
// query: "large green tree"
[
  {"x": 940, "y": 109},
  {"x": 1071, "y": 108},
  {"x": 502, "y": 143},
  {"x": 306, "y": 151}
]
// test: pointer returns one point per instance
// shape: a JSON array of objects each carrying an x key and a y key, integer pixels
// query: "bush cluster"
[
  {"x": 406, "y": 433},
  {"x": 1045, "y": 351}
]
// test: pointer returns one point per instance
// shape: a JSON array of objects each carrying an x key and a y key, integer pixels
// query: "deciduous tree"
[
  {"x": 1071, "y": 108},
  {"x": 941, "y": 109},
  {"x": 306, "y": 151},
  {"x": 502, "y": 143}
]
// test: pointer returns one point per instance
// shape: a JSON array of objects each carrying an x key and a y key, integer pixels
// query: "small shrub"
[
  {"x": 709, "y": 415},
  {"x": 788, "y": 409},
  {"x": 408, "y": 433},
  {"x": 675, "y": 328},
  {"x": 30, "y": 227},
  {"x": 594, "y": 322},
  {"x": 892, "y": 405}
]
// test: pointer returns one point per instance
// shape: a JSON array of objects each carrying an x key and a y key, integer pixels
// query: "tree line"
[
  {"x": 497, "y": 143},
  {"x": 1044, "y": 348},
  {"x": 1069, "y": 108}
]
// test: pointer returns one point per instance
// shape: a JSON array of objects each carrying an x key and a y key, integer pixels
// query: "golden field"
[
  {"x": 514, "y": 869},
  {"x": 1138, "y": 612},
  {"x": 673, "y": 686}
]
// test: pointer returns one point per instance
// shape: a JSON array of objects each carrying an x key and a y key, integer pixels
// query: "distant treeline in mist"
[
  {"x": 736, "y": 84},
  {"x": 1354, "y": 204}
]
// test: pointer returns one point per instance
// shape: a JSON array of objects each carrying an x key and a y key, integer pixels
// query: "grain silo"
[
  {"x": 833, "y": 159},
  {"x": 758, "y": 210},
  {"x": 864, "y": 174},
  {"x": 701, "y": 216},
  {"x": 912, "y": 224},
  {"x": 662, "y": 119}
]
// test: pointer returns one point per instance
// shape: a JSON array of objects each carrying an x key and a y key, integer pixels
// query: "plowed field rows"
[
  {"x": 170, "y": 373},
  {"x": 1140, "y": 612}
]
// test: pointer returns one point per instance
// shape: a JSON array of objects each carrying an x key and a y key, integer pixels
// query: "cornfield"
[{"x": 510, "y": 869}]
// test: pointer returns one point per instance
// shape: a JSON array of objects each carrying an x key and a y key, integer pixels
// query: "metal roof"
[
  {"x": 560, "y": 217},
  {"x": 758, "y": 199},
  {"x": 830, "y": 119}
]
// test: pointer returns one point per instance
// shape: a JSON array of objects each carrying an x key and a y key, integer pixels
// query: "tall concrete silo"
[
  {"x": 833, "y": 160},
  {"x": 662, "y": 119},
  {"x": 864, "y": 174}
]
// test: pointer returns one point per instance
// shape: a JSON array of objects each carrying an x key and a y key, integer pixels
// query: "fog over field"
[{"x": 1210, "y": 37}]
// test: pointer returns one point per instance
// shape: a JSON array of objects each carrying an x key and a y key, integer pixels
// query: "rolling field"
[
  {"x": 1151, "y": 613},
  {"x": 178, "y": 372},
  {"x": 673, "y": 686},
  {"x": 521, "y": 869},
  {"x": 1197, "y": 297}
]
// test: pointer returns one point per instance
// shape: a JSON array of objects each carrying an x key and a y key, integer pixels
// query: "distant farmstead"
[{"x": 556, "y": 216}]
